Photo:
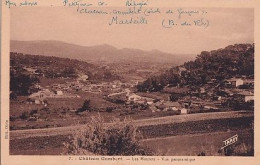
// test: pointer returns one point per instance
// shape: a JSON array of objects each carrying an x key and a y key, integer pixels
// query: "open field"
[
  {"x": 194, "y": 144},
  {"x": 147, "y": 124},
  {"x": 189, "y": 134},
  {"x": 191, "y": 144}
]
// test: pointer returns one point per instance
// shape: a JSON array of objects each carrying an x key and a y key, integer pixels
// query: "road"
[{"x": 21, "y": 134}]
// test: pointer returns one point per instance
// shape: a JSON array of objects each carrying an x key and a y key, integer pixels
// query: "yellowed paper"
[{"x": 129, "y": 82}]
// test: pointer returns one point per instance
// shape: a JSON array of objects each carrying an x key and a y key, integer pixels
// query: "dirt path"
[{"x": 21, "y": 134}]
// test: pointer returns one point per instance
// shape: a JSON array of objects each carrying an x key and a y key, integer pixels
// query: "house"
[
  {"x": 31, "y": 70},
  {"x": 134, "y": 97},
  {"x": 210, "y": 107},
  {"x": 171, "y": 106},
  {"x": 184, "y": 111},
  {"x": 40, "y": 96},
  {"x": 83, "y": 77},
  {"x": 153, "y": 108},
  {"x": 160, "y": 105},
  {"x": 58, "y": 92},
  {"x": 235, "y": 82},
  {"x": 246, "y": 96},
  {"x": 119, "y": 94}
]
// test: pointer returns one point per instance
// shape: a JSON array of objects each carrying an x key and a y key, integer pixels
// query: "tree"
[
  {"x": 21, "y": 82},
  {"x": 85, "y": 106}
]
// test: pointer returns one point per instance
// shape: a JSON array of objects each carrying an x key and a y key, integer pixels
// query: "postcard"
[{"x": 129, "y": 82}]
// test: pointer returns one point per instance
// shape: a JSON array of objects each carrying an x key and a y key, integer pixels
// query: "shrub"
[
  {"x": 24, "y": 115},
  {"x": 116, "y": 138},
  {"x": 109, "y": 109},
  {"x": 85, "y": 106},
  {"x": 12, "y": 118},
  {"x": 33, "y": 112}
]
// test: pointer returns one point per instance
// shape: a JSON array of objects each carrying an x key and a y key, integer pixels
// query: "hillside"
[
  {"x": 99, "y": 53},
  {"x": 55, "y": 67},
  {"x": 232, "y": 61}
]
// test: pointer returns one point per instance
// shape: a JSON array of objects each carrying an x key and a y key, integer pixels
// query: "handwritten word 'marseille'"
[
  {"x": 137, "y": 20},
  {"x": 132, "y": 3}
]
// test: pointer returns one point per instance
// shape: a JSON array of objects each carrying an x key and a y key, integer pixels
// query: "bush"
[
  {"x": 109, "y": 109},
  {"x": 12, "y": 118},
  {"x": 85, "y": 106},
  {"x": 116, "y": 138},
  {"x": 24, "y": 115},
  {"x": 33, "y": 112}
]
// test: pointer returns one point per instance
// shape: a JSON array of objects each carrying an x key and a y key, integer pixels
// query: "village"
[{"x": 211, "y": 97}]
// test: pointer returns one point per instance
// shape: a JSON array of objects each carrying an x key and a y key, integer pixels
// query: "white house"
[
  {"x": 235, "y": 82},
  {"x": 134, "y": 97},
  {"x": 40, "y": 96},
  {"x": 59, "y": 93},
  {"x": 184, "y": 111}
]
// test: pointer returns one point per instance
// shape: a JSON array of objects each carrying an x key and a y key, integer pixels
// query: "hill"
[
  {"x": 99, "y": 53},
  {"x": 55, "y": 67},
  {"x": 232, "y": 61}
]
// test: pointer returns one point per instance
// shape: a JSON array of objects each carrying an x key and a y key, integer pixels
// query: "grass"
[
  {"x": 195, "y": 127},
  {"x": 61, "y": 111},
  {"x": 207, "y": 143}
]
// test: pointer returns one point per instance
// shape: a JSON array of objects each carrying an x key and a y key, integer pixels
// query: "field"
[
  {"x": 193, "y": 145},
  {"x": 189, "y": 134}
]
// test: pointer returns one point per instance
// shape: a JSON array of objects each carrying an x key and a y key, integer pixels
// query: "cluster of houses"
[
  {"x": 41, "y": 96},
  {"x": 115, "y": 86},
  {"x": 202, "y": 98},
  {"x": 168, "y": 106},
  {"x": 155, "y": 105},
  {"x": 64, "y": 90},
  {"x": 233, "y": 89},
  {"x": 205, "y": 98}
]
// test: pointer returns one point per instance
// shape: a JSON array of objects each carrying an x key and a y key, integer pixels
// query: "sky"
[{"x": 226, "y": 26}]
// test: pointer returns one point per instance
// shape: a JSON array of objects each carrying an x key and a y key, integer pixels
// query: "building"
[
  {"x": 115, "y": 95},
  {"x": 153, "y": 108},
  {"x": 184, "y": 111},
  {"x": 134, "y": 97},
  {"x": 40, "y": 96},
  {"x": 59, "y": 92},
  {"x": 235, "y": 82},
  {"x": 83, "y": 77},
  {"x": 172, "y": 105},
  {"x": 246, "y": 96}
]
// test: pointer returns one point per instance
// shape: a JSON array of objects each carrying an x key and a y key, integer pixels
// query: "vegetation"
[
  {"x": 221, "y": 64},
  {"x": 21, "y": 82},
  {"x": 85, "y": 106},
  {"x": 117, "y": 138},
  {"x": 55, "y": 67}
]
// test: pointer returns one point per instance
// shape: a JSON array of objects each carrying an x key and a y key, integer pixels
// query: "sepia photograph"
[{"x": 137, "y": 80}]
